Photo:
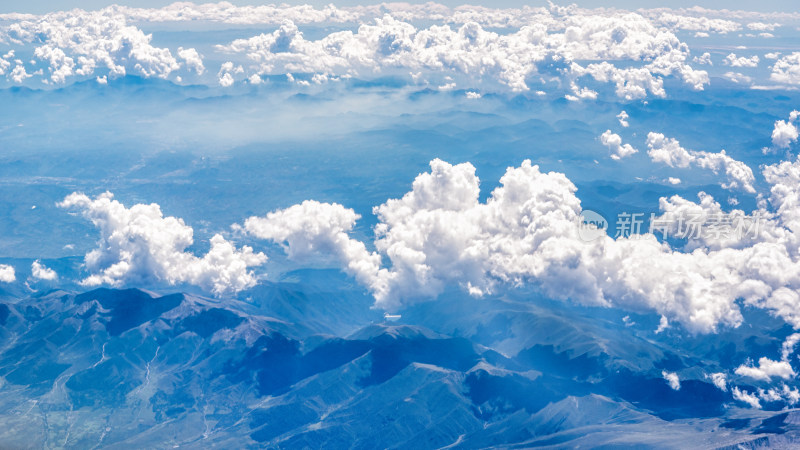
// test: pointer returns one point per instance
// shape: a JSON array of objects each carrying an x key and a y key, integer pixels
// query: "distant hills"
[{"x": 302, "y": 365}]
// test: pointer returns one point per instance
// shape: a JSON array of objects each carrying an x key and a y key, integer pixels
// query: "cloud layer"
[
  {"x": 462, "y": 49},
  {"x": 785, "y": 132},
  {"x": 528, "y": 231},
  {"x": 516, "y": 49},
  {"x": 474, "y": 56}
]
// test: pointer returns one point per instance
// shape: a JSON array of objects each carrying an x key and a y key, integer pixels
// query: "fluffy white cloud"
[
  {"x": 785, "y": 133},
  {"x": 614, "y": 144},
  {"x": 5, "y": 64},
  {"x": 631, "y": 83},
  {"x": 784, "y": 179},
  {"x": 669, "y": 151},
  {"x": 229, "y": 13},
  {"x": 705, "y": 58},
  {"x": 663, "y": 324},
  {"x": 623, "y": 119},
  {"x": 738, "y": 78},
  {"x": 226, "y": 79},
  {"x": 784, "y": 394},
  {"x": 226, "y": 73},
  {"x": 630, "y": 50},
  {"x": 788, "y": 346},
  {"x": 471, "y": 55},
  {"x": 139, "y": 245},
  {"x": 741, "y": 61},
  {"x": 736, "y": 16},
  {"x": 761, "y": 26},
  {"x": 680, "y": 21},
  {"x": 720, "y": 381},
  {"x": 766, "y": 370},
  {"x": 41, "y": 272},
  {"x": 739, "y": 174},
  {"x": 683, "y": 219},
  {"x": 312, "y": 230},
  {"x": 694, "y": 19},
  {"x": 787, "y": 69},
  {"x": 529, "y": 231},
  {"x": 19, "y": 74},
  {"x": 78, "y": 42},
  {"x": 579, "y": 94},
  {"x": 746, "y": 397},
  {"x": 7, "y": 273},
  {"x": 672, "y": 380},
  {"x": 192, "y": 59}
]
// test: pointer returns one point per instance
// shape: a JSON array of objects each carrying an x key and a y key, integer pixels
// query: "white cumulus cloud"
[
  {"x": 623, "y": 119},
  {"x": 192, "y": 59},
  {"x": 761, "y": 26},
  {"x": 41, "y": 272},
  {"x": 738, "y": 78},
  {"x": 19, "y": 74},
  {"x": 786, "y": 70},
  {"x": 672, "y": 380},
  {"x": 720, "y": 381},
  {"x": 615, "y": 145},
  {"x": 528, "y": 231},
  {"x": 80, "y": 42},
  {"x": 766, "y": 370},
  {"x": 7, "y": 274},
  {"x": 139, "y": 245},
  {"x": 312, "y": 230},
  {"x": 705, "y": 59},
  {"x": 226, "y": 72},
  {"x": 478, "y": 47},
  {"x": 741, "y": 61},
  {"x": 746, "y": 397},
  {"x": 788, "y": 346},
  {"x": 474, "y": 56},
  {"x": 785, "y": 132},
  {"x": 669, "y": 151},
  {"x": 679, "y": 20},
  {"x": 783, "y": 394}
]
